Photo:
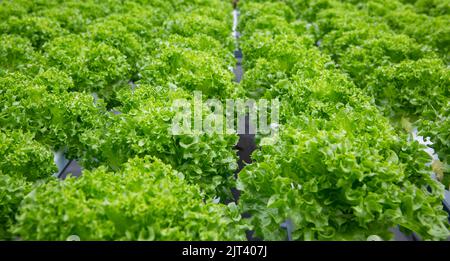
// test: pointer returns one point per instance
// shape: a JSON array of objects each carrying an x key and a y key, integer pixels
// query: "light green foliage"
[
  {"x": 17, "y": 54},
  {"x": 99, "y": 78},
  {"x": 23, "y": 161},
  {"x": 93, "y": 66},
  {"x": 146, "y": 200},
  {"x": 333, "y": 186},
  {"x": 54, "y": 55},
  {"x": 145, "y": 129},
  {"x": 38, "y": 30},
  {"x": 395, "y": 54},
  {"x": 41, "y": 106},
  {"x": 437, "y": 130},
  {"x": 339, "y": 170},
  {"x": 190, "y": 69},
  {"x": 12, "y": 191},
  {"x": 412, "y": 87},
  {"x": 24, "y": 157}
]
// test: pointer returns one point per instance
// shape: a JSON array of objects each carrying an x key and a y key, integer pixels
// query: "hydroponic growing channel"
[{"x": 361, "y": 145}]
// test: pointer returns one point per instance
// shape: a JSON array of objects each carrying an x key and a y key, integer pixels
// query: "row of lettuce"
[
  {"x": 97, "y": 79},
  {"x": 340, "y": 170},
  {"x": 393, "y": 51}
]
